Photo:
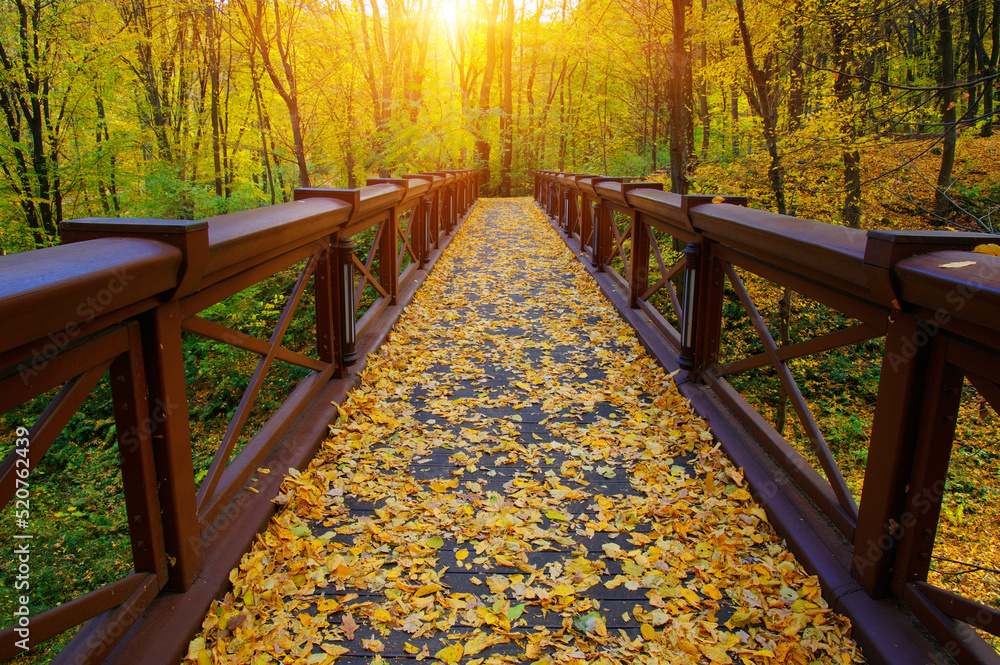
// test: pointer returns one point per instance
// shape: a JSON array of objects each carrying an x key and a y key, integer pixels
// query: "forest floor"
[{"x": 516, "y": 478}]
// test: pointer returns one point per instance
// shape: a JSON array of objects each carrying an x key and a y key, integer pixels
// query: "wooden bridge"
[{"x": 514, "y": 478}]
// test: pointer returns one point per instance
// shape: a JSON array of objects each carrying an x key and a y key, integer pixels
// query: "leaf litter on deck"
[{"x": 517, "y": 480}]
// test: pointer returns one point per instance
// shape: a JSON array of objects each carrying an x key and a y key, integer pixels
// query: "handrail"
[
  {"x": 935, "y": 302},
  {"x": 119, "y": 293}
]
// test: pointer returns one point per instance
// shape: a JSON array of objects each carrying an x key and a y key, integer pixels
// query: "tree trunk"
[
  {"x": 843, "y": 53},
  {"x": 482, "y": 140},
  {"x": 990, "y": 71},
  {"x": 796, "y": 95},
  {"x": 706, "y": 119},
  {"x": 946, "y": 51},
  {"x": 762, "y": 99},
  {"x": 508, "y": 100},
  {"x": 678, "y": 103},
  {"x": 213, "y": 45}
]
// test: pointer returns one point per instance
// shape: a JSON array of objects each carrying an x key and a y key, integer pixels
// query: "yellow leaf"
[
  {"x": 481, "y": 641},
  {"x": 740, "y": 495},
  {"x": 375, "y": 646},
  {"x": 563, "y": 590},
  {"x": 555, "y": 515},
  {"x": 957, "y": 264},
  {"x": 648, "y": 632},
  {"x": 451, "y": 654},
  {"x": 715, "y": 654},
  {"x": 196, "y": 646},
  {"x": 343, "y": 571},
  {"x": 334, "y": 650},
  {"x": 427, "y": 589},
  {"x": 719, "y": 199},
  {"x": 461, "y": 554},
  {"x": 991, "y": 248},
  {"x": 711, "y": 592}
]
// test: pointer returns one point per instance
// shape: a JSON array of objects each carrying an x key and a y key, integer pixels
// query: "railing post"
[
  {"x": 703, "y": 327},
  {"x": 550, "y": 206},
  {"x": 639, "y": 259},
  {"x": 586, "y": 220},
  {"x": 639, "y": 256},
  {"x": 707, "y": 315},
  {"x": 324, "y": 286},
  {"x": 890, "y": 454},
  {"x": 166, "y": 390},
  {"x": 345, "y": 278},
  {"x": 163, "y": 357},
  {"x": 436, "y": 220},
  {"x": 127, "y": 377},
  {"x": 563, "y": 207},
  {"x": 917, "y": 523},
  {"x": 914, "y": 420}
]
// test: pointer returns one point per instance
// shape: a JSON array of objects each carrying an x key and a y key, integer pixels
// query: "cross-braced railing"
[
  {"x": 117, "y": 300},
  {"x": 753, "y": 301}
]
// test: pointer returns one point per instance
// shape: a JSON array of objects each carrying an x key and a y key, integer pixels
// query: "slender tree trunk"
[
  {"x": 706, "y": 119},
  {"x": 946, "y": 50},
  {"x": 285, "y": 83},
  {"x": 762, "y": 99},
  {"x": 482, "y": 140},
  {"x": 990, "y": 70},
  {"x": 843, "y": 48},
  {"x": 796, "y": 94},
  {"x": 508, "y": 100},
  {"x": 262, "y": 124},
  {"x": 734, "y": 109},
  {"x": 213, "y": 45},
  {"x": 678, "y": 103}
]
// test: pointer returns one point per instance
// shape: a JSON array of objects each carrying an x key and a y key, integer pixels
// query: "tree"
[
  {"x": 946, "y": 50},
  {"x": 278, "y": 34}
]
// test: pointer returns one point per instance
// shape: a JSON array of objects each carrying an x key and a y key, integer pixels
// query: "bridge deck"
[{"x": 517, "y": 480}]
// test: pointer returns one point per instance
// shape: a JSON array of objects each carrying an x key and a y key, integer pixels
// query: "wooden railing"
[
  {"x": 117, "y": 296},
  {"x": 940, "y": 324}
]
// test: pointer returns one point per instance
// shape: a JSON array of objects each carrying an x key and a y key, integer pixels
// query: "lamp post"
[
  {"x": 427, "y": 231},
  {"x": 692, "y": 259},
  {"x": 345, "y": 255}
]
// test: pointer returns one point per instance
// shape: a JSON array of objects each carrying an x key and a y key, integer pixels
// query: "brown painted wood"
[
  {"x": 133, "y": 416},
  {"x": 163, "y": 359},
  {"x": 239, "y": 340},
  {"x": 916, "y": 525},
  {"x": 48, "y": 426},
  {"x": 98, "y": 637},
  {"x": 49, "y": 295},
  {"x": 235, "y": 428},
  {"x": 838, "y": 338},
  {"x": 959, "y": 607},
  {"x": 50, "y": 623}
]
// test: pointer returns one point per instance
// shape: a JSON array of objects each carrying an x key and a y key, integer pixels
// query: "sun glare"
[{"x": 449, "y": 13}]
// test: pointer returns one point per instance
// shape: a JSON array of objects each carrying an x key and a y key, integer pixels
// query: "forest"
[
  {"x": 866, "y": 113},
  {"x": 188, "y": 109}
]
